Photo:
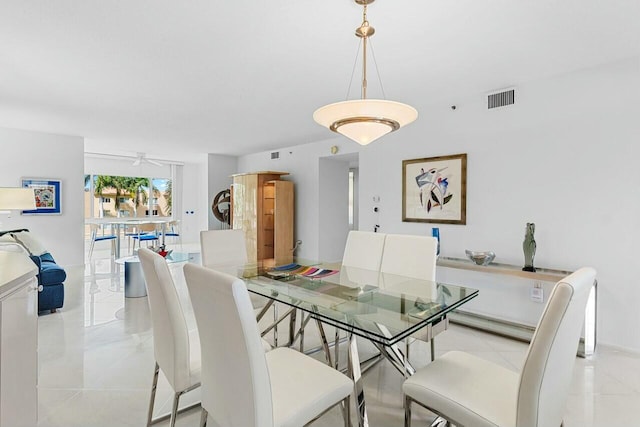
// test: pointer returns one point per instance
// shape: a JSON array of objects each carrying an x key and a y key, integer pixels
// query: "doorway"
[{"x": 338, "y": 208}]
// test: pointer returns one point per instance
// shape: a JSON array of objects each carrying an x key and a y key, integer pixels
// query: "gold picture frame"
[{"x": 434, "y": 189}]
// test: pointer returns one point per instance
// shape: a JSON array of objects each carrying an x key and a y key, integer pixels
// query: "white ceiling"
[{"x": 173, "y": 78}]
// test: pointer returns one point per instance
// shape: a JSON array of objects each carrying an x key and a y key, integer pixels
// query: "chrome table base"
[{"x": 356, "y": 367}]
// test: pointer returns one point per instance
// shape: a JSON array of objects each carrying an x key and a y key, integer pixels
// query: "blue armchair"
[
  {"x": 50, "y": 282},
  {"x": 51, "y": 276}
]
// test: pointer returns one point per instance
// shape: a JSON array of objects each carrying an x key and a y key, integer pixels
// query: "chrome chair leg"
[
  {"x": 440, "y": 422},
  {"x": 93, "y": 242},
  {"x": 432, "y": 342},
  {"x": 203, "y": 417},
  {"x": 346, "y": 411},
  {"x": 154, "y": 386},
  {"x": 302, "y": 334},
  {"x": 336, "y": 348},
  {"x": 174, "y": 410},
  {"x": 176, "y": 399},
  {"x": 407, "y": 411},
  {"x": 275, "y": 328}
]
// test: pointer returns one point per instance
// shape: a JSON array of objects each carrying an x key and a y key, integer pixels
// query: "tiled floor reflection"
[{"x": 96, "y": 364}]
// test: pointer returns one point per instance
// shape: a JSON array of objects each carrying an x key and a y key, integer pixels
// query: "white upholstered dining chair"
[
  {"x": 176, "y": 350},
  {"x": 409, "y": 256},
  {"x": 363, "y": 250},
  {"x": 361, "y": 259},
  {"x": 360, "y": 267},
  {"x": 242, "y": 386},
  {"x": 223, "y": 247},
  {"x": 227, "y": 248},
  {"x": 472, "y": 392}
]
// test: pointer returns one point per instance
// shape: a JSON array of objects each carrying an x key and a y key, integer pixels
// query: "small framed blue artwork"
[{"x": 47, "y": 192}]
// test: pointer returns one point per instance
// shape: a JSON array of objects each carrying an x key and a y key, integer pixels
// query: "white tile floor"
[{"x": 96, "y": 365}]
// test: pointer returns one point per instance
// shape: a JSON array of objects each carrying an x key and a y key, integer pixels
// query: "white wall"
[
  {"x": 563, "y": 157},
  {"x": 194, "y": 203},
  {"x": 220, "y": 170},
  {"x": 41, "y": 155},
  {"x": 333, "y": 208}
]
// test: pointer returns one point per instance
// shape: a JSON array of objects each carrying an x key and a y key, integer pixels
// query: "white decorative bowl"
[{"x": 480, "y": 257}]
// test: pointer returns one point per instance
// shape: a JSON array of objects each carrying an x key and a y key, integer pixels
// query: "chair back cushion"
[
  {"x": 223, "y": 247},
  {"x": 364, "y": 250},
  {"x": 170, "y": 333},
  {"x": 236, "y": 390},
  {"x": 149, "y": 227},
  {"x": 548, "y": 367},
  {"x": 410, "y": 256}
]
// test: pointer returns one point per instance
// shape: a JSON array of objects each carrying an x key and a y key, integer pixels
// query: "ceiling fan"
[{"x": 142, "y": 158}]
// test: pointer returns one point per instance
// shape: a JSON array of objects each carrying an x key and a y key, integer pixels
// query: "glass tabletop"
[{"x": 384, "y": 308}]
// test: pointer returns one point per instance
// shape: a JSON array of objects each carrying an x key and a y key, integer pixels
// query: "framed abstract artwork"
[
  {"x": 434, "y": 189},
  {"x": 47, "y": 192}
]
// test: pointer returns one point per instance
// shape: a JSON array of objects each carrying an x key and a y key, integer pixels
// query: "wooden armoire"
[{"x": 262, "y": 206}]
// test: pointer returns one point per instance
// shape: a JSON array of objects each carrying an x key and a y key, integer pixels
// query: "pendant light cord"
[
  {"x": 364, "y": 41},
  {"x": 363, "y": 94},
  {"x": 373, "y": 55},
  {"x": 353, "y": 71}
]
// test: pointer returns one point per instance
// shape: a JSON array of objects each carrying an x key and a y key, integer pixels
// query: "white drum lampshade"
[{"x": 17, "y": 198}]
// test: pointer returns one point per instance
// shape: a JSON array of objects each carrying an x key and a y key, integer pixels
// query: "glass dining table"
[{"x": 386, "y": 309}]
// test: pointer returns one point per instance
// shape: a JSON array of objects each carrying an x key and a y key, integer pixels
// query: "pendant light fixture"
[{"x": 365, "y": 120}]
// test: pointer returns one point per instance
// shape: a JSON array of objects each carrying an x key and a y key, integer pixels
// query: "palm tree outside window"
[{"x": 121, "y": 196}]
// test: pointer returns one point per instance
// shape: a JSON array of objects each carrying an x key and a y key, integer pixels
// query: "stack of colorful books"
[{"x": 304, "y": 271}]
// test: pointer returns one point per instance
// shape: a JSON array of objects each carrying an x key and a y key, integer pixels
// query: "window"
[
  {"x": 351, "y": 201},
  {"x": 162, "y": 196},
  {"x": 126, "y": 196},
  {"x": 87, "y": 196}
]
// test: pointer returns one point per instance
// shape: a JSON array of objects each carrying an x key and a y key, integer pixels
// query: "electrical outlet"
[{"x": 537, "y": 293}]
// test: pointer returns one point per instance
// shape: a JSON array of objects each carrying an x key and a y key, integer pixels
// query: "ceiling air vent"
[
  {"x": 501, "y": 99},
  {"x": 275, "y": 155}
]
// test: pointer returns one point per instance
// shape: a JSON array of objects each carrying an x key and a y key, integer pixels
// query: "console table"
[
  {"x": 521, "y": 330},
  {"x": 18, "y": 340}
]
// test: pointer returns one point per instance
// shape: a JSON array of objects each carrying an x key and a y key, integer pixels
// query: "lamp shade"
[
  {"x": 17, "y": 198},
  {"x": 365, "y": 120}
]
